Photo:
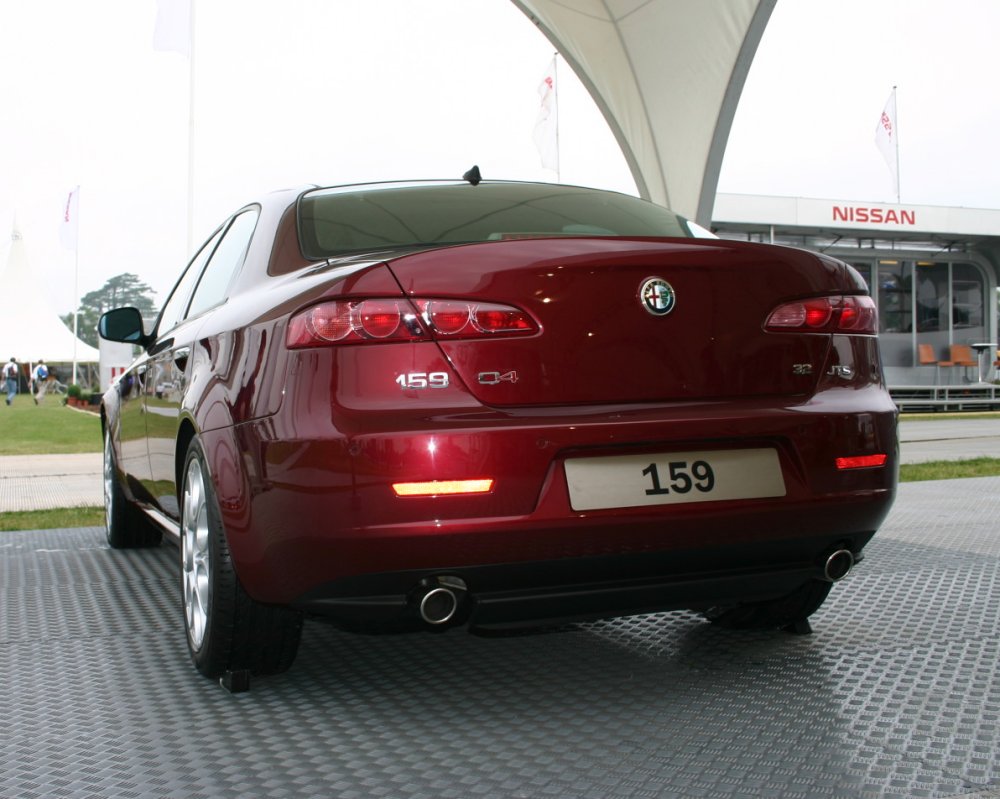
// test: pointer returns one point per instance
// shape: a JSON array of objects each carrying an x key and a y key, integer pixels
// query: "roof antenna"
[{"x": 473, "y": 176}]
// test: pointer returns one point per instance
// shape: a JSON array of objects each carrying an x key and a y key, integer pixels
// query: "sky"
[{"x": 290, "y": 92}]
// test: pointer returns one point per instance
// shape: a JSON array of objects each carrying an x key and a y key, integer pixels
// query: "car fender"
[{"x": 230, "y": 472}]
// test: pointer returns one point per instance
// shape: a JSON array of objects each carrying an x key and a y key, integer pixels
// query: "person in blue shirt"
[
  {"x": 40, "y": 380},
  {"x": 10, "y": 379}
]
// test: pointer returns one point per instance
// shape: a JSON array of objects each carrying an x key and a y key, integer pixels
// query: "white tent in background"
[
  {"x": 667, "y": 75},
  {"x": 30, "y": 329}
]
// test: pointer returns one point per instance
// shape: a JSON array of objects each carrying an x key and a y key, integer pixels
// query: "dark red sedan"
[{"x": 492, "y": 405}]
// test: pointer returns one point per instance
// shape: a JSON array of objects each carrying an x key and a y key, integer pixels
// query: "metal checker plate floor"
[{"x": 896, "y": 693}]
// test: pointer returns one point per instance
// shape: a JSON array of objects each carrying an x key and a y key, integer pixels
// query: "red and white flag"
[
  {"x": 69, "y": 227},
  {"x": 546, "y": 133},
  {"x": 885, "y": 139}
]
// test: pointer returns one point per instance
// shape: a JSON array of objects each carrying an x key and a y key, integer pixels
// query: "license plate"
[{"x": 629, "y": 481}]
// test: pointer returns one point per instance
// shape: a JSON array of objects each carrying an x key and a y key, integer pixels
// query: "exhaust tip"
[
  {"x": 838, "y": 565},
  {"x": 438, "y": 605}
]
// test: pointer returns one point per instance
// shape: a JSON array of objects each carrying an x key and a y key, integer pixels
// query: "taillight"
[
  {"x": 376, "y": 320},
  {"x": 353, "y": 321},
  {"x": 380, "y": 318},
  {"x": 838, "y": 314},
  {"x": 446, "y": 317},
  {"x": 461, "y": 319}
]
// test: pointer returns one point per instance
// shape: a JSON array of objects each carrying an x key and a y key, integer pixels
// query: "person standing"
[
  {"x": 10, "y": 379},
  {"x": 40, "y": 380}
]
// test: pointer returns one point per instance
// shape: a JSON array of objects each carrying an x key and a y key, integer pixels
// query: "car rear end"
[{"x": 538, "y": 427}]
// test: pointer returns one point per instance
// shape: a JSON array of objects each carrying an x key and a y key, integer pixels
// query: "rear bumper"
[
  {"x": 310, "y": 510},
  {"x": 513, "y": 595}
]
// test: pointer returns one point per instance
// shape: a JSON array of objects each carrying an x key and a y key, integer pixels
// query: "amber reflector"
[
  {"x": 861, "y": 461},
  {"x": 436, "y": 488}
]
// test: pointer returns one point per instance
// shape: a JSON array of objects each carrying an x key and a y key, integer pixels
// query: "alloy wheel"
[{"x": 195, "y": 554}]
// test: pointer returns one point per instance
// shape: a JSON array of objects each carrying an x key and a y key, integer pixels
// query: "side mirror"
[{"x": 122, "y": 324}]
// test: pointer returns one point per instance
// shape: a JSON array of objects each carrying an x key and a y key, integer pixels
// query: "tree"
[{"x": 119, "y": 291}]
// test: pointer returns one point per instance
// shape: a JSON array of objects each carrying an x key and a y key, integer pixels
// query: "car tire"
[
  {"x": 788, "y": 610},
  {"x": 127, "y": 527},
  {"x": 226, "y": 629}
]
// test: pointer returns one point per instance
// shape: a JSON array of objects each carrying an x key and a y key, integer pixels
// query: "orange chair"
[
  {"x": 926, "y": 357},
  {"x": 961, "y": 355}
]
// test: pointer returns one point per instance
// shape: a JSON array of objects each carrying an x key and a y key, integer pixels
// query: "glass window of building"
[
  {"x": 932, "y": 297},
  {"x": 894, "y": 280},
  {"x": 895, "y": 297},
  {"x": 968, "y": 304}
]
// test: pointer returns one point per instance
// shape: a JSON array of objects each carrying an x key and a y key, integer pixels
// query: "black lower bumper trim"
[{"x": 578, "y": 589}]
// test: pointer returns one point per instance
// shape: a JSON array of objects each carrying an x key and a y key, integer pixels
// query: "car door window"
[
  {"x": 173, "y": 310},
  {"x": 224, "y": 263}
]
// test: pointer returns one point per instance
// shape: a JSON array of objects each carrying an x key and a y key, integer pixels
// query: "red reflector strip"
[
  {"x": 861, "y": 461},
  {"x": 437, "y": 488}
]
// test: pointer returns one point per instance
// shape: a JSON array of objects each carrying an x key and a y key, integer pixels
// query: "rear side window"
[
  {"x": 173, "y": 309},
  {"x": 338, "y": 221},
  {"x": 224, "y": 264}
]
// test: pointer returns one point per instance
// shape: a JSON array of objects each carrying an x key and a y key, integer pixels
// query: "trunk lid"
[{"x": 598, "y": 343}]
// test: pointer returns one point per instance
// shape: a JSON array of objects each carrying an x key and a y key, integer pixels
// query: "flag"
[
  {"x": 173, "y": 26},
  {"x": 885, "y": 139},
  {"x": 546, "y": 133},
  {"x": 71, "y": 220}
]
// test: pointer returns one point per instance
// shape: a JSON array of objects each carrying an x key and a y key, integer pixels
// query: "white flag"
[
  {"x": 71, "y": 220},
  {"x": 546, "y": 133},
  {"x": 885, "y": 139},
  {"x": 173, "y": 26}
]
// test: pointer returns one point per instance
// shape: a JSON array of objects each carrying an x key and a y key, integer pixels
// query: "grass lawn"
[
  {"x": 50, "y": 427},
  {"x": 949, "y": 470},
  {"x": 51, "y": 519}
]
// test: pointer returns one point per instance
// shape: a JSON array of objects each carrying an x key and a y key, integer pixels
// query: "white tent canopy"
[
  {"x": 29, "y": 328},
  {"x": 667, "y": 75}
]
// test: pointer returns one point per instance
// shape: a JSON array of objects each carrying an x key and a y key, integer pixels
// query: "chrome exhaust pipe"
[
  {"x": 438, "y": 605},
  {"x": 439, "y": 599},
  {"x": 838, "y": 565}
]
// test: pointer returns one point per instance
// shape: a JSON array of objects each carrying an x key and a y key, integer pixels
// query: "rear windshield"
[{"x": 337, "y": 221}]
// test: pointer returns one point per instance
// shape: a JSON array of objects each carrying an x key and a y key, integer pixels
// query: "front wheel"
[
  {"x": 226, "y": 629},
  {"x": 785, "y": 611}
]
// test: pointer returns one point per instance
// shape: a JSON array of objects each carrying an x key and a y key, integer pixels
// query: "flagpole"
[
  {"x": 895, "y": 106},
  {"x": 76, "y": 282},
  {"x": 190, "y": 175}
]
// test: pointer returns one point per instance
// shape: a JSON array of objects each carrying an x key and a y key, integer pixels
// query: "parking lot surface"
[
  {"x": 948, "y": 439},
  {"x": 895, "y": 693}
]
